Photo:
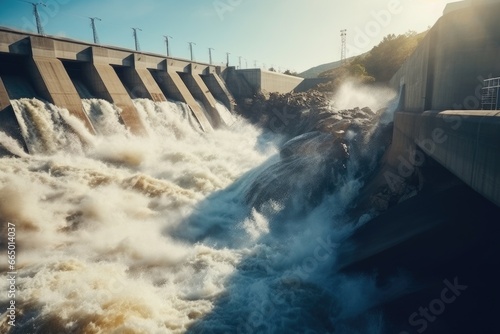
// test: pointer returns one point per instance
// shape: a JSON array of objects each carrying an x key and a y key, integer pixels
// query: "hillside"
[
  {"x": 317, "y": 70},
  {"x": 378, "y": 65}
]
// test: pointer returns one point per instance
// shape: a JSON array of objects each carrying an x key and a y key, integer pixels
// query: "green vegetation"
[
  {"x": 376, "y": 66},
  {"x": 288, "y": 72}
]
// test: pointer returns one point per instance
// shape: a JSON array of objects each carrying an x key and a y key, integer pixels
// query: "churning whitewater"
[{"x": 176, "y": 231}]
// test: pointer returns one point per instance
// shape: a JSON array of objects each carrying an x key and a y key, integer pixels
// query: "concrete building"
[{"x": 441, "y": 88}]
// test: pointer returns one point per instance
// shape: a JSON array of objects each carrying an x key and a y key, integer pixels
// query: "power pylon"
[
  {"x": 137, "y": 47},
  {"x": 94, "y": 30},
  {"x": 39, "y": 26},
  {"x": 343, "y": 48}
]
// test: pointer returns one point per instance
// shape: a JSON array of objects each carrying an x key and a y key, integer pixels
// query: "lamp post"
[
  {"x": 167, "y": 44},
  {"x": 191, "y": 49},
  {"x": 210, "y": 55}
]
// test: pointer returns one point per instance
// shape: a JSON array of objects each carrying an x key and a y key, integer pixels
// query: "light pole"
[
  {"x": 210, "y": 54},
  {"x": 191, "y": 49},
  {"x": 166, "y": 43}
]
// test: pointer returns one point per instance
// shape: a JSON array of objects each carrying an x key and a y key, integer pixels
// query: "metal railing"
[{"x": 490, "y": 94}]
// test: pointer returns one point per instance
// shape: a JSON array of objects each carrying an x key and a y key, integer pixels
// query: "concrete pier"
[
  {"x": 140, "y": 82},
  {"x": 219, "y": 90},
  {"x": 51, "y": 80},
  {"x": 171, "y": 83},
  {"x": 106, "y": 85},
  {"x": 201, "y": 92},
  {"x": 53, "y": 84}
]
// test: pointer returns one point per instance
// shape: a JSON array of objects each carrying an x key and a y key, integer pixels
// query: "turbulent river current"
[{"x": 231, "y": 231}]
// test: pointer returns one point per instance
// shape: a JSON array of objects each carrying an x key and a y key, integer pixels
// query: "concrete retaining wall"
[
  {"x": 464, "y": 142},
  {"x": 261, "y": 80}
]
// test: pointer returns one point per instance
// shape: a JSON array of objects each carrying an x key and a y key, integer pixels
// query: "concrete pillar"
[
  {"x": 54, "y": 85},
  {"x": 52, "y": 81},
  {"x": 171, "y": 83},
  {"x": 106, "y": 85},
  {"x": 8, "y": 120},
  {"x": 140, "y": 82},
  {"x": 150, "y": 84},
  {"x": 219, "y": 90},
  {"x": 200, "y": 91}
]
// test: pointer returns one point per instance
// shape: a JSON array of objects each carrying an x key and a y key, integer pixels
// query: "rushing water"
[{"x": 175, "y": 231}]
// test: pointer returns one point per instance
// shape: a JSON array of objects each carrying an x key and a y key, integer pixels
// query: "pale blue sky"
[{"x": 290, "y": 34}]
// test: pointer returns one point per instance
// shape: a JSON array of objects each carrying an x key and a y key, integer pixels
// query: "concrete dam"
[{"x": 63, "y": 71}]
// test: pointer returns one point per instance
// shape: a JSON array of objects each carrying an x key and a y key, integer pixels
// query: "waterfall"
[
  {"x": 180, "y": 230},
  {"x": 45, "y": 127},
  {"x": 226, "y": 115}
]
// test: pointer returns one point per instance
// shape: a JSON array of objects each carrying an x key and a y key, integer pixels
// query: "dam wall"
[
  {"x": 248, "y": 82},
  {"x": 63, "y": 71}
]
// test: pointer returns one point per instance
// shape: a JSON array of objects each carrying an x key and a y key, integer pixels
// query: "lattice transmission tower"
[
  {"x": 39, "y": 26},
  {"x": 94, "y": 30},
  {"x": 136, "y": 39},
  {"x": 343, "y": 47}
]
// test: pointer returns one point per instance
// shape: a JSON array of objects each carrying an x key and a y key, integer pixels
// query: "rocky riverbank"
[{"x": 354, "y": 136}]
